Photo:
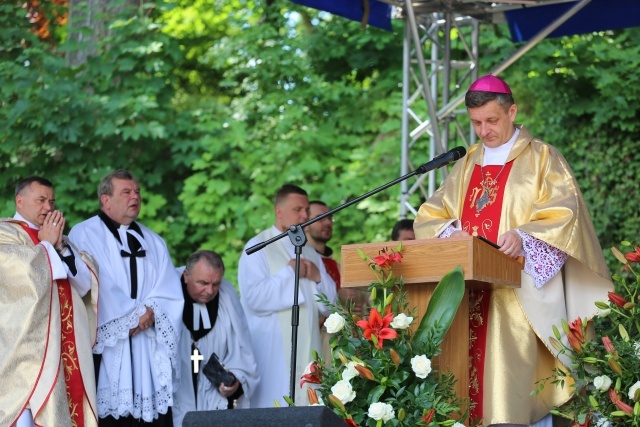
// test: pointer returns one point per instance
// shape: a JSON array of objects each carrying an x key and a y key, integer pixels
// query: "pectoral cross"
[{"x": 196, "y": 358}]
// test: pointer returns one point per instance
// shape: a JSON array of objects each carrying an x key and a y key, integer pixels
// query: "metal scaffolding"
[{"x": 440, "y": 61}]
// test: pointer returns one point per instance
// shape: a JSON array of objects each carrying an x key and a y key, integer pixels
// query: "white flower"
[
  {"x": 457, "y": 424},
  {"x": 603, "y": 422},
  {"x": 421, "y": 366},
  {"x": 343, "y": 391},
  {"x": 632, "y": 390},
  {"x": 401, "y": 321},
  {"x": 350, "y": 371},
  {"x": 334, "y": 323},
  {"x": 602, "y": 383},
  {"x": 603, "y": 312},
  {"x": 381, "y": 411}
]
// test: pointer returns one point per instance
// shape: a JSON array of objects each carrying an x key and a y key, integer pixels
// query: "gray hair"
[
  {"x": 106, "y": 184},
  {"x": 210, "y": 257}
]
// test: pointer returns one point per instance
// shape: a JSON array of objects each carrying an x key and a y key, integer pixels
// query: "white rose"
[
  {"x": 603, "y": 312},
  {"x": 350, "y": 371},
  {"x": 381, "y": 411},
  {"x": 334, "y": 323},
  {"x": 401, "y": 321},
  {"x": 632, "y": 390},
  {"x": 343, "y": 391},
  {"x": 602, "y": 383},
  {"x": 421, "y": 366}
]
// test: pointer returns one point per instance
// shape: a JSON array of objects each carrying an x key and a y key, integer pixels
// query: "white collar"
[
  {"x": 200, "y": 311},
  {"x": 499, "y": 155},
  {"x": 29, "y": 223}
]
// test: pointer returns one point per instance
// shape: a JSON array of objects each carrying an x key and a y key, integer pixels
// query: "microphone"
[{"x": 442, "y": 160}]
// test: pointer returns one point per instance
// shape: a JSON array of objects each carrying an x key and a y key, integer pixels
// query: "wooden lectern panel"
[
  {"x": 427, "y": 261},
  {"x": 424, "y": 263}
]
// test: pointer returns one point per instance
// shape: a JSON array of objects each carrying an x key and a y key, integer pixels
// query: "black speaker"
[{"x": 303, "y": 416}]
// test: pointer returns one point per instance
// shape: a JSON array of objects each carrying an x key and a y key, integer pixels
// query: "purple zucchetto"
[{"x": 490, "y": 83}]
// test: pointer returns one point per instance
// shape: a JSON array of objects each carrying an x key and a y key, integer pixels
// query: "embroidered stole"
[
  {"x": 483, "y": 223},
  {"x": 69, "y": 354}
]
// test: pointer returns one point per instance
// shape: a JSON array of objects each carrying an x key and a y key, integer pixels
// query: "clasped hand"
[
  {"x": 146, "y": 321},
  {"x": 52, "y": 228},
  {"x": 308, "y": 269}
]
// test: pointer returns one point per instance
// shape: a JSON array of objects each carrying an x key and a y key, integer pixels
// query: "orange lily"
[
  {"x": 633, "y": 256},
  {"x": 619, "y": 403},
  {"x": 617, "y": 299},
  {"x": 378, "y": 326},
  {"x": 314, "y": 377}
]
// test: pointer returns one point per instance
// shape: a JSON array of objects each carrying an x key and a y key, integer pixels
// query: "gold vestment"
[
  {"x": 31, "y": 367},
  {"x": 541, "y": 198}
]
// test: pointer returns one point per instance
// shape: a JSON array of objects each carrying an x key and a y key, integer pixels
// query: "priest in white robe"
[
  {"x": 266, "y": 280},
  {"x": 212, "y": 322},
  {"x": 139, "y": 310}
]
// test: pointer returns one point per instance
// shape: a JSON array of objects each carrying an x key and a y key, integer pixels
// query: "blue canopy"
[
  {"x": 379, "y": 12},
  {"x": 598, "y": 15}
]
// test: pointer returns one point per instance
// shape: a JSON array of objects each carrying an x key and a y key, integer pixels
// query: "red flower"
[
  {"x": 428, "y": 417},
  {"x": 619, "y": 403},
  {"x": 633, "y": 256},
  {"x": 587, "y": 422},
  {"x": 608, "y": 345},
  {"x": 617, "y": 299},
  {"x": 387, "y": 259},
  {"x": 378, "y": 326},
  {"x": 575, "y": 335},
  {"x": 314, "y": 376}
]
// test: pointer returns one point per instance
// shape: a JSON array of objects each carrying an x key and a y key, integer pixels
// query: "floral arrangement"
[
  {"x": 606, "y": 369},
  {"x": 381, "y": 373}
]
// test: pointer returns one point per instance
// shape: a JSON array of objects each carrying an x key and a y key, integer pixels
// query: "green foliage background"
[{"x": 215, "y": 104}]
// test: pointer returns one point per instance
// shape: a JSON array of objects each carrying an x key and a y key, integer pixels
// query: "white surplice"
[
  {"x": 136, "y": 373},
  {"x": 267, "y": 291},
  {"x": 231, "y": 341}
]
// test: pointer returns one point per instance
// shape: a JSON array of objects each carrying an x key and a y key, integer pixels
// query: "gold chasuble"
[
  {"x": 46, "y": 336},
  {"x": 510, "y": 329}
]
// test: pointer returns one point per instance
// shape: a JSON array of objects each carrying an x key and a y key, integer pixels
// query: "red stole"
[
  {"x": 484, "y": 222},
  {"x": 333, "y": 270},
  {"x": 72, "y": 374}
]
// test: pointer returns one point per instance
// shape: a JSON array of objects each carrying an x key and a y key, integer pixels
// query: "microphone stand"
[{"x": 298, "y": 239}]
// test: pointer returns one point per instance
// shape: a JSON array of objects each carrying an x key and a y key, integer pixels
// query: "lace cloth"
[
  {"x": 116, "y": 401},
  {"x": 541, "y": 260}
]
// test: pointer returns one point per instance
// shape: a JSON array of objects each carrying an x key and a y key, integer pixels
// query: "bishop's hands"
[
  {"x": 510, "y": 243},
  {"x": 52, "y": 228},
  {"x": 308, "y": 270},
  {"x": 146, "y": 321}
]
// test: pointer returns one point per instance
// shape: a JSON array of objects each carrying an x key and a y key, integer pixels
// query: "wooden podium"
[{"x": 424, "y": 263}]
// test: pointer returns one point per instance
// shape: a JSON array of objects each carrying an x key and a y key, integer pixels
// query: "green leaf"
[
  {"x": 375, "y": 393},
  {"x": 442, "y": 307}
]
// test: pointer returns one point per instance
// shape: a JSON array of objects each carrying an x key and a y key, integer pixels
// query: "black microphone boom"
[{"x": 442, "y": 160}]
